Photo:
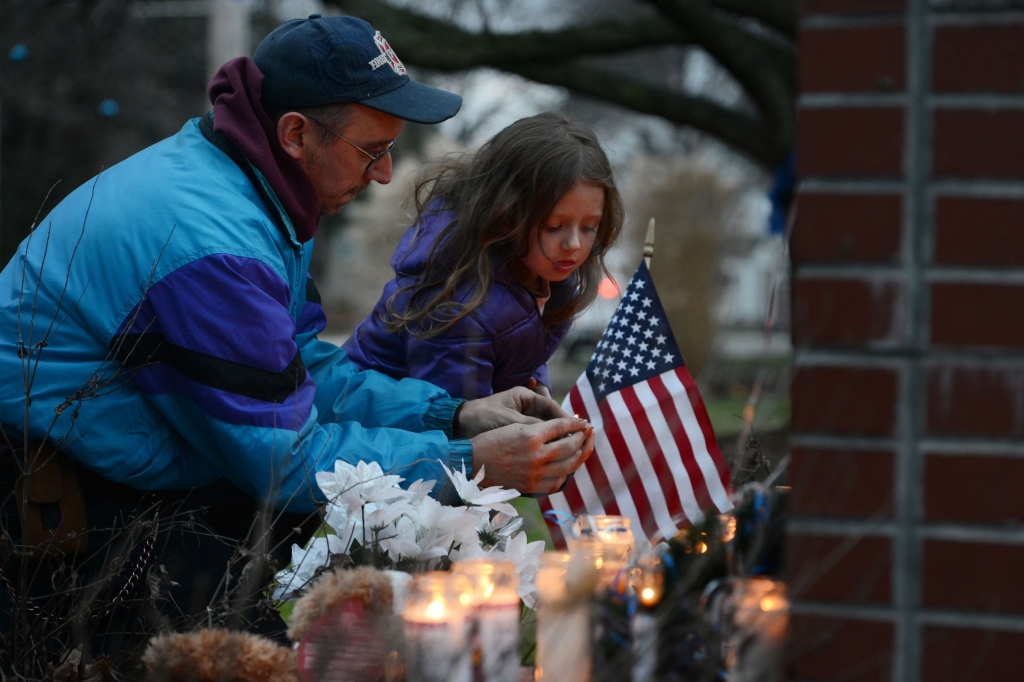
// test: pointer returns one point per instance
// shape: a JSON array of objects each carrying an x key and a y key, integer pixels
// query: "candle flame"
[
  {"x": 730, "y": 529},
  {"x": 599, "y": 562},
  {"x": 647, "y": 595},
  {"x": 701, "y": 548},
  {"x": 435, "y": 610},
  {"x": 771, "y": 603},
  {"x": 489, "y": 590}
]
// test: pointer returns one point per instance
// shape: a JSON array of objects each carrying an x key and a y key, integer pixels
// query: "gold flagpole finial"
[{"x": 649, "y": 243}]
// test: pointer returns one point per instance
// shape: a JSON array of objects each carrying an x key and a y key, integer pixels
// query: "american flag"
[{"x": 655, "y": 459}]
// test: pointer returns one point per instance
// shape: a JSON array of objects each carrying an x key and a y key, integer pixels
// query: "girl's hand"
[{"x": 538, "y": 388}]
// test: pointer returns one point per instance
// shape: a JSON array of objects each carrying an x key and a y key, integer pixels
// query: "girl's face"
[{"x": 568, "y": 233}]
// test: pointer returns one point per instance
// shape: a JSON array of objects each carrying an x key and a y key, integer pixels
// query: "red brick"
[
  {"x": 844, "y": 400},
  {"x": 979, "y": 401},
  {"x": 839, "y": 650},
  {"x": 852, "y": 6},
  {"x": 956, "y": 654},
  {"x": 845, "y": 311},
  {"x": 973, "y": 576},
  {"x": 977, "y": 314},
  {"x": 827, "y": 482},
  {"x": 847, "y": 227},
  {"x": 979, "y": 58},
  {"x": 973, "y": 489},
  {"x": 851, "y": 142},
  {"x": 979, "y": 143},
  {"x": 825, "y": 63},
  {"x": 979, "y": 231},
  {"x": 839, "y": 569}
]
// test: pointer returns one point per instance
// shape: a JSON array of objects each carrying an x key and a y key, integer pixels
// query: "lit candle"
[
  {"x": 649, "y": 584},
  {"x": 436, "y": 641},
  {"x": 760, "y": 628},
  {"x": 563, "y": 623},
  {"x": 610, "y": 542},
  {"x": 494, "y": 605}
]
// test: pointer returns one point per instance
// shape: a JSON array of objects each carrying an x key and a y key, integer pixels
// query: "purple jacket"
[{"x": 500, "y": 345}]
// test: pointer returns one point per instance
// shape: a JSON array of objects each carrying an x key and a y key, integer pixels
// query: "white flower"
[
  {"x": 525, "y": 556},
  {"x": 493, "y": 531},
  {"x": 494, "y": 497},
  {"x": 352, "y": 486},
  {"x": 400, "y": 541},
  {"x": 305, "y": 562},
  {"x": 419, "y": 490},
  {"x": 442, "y": 528}
]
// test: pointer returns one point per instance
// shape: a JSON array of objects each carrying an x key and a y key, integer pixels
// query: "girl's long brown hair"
[{"x": 499, "y": 197}]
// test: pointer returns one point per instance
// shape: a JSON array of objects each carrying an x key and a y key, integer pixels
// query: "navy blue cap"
[{"x": 336, "y": 60}]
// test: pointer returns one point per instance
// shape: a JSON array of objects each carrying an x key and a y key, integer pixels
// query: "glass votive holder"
[
  {"x": 604, "y": 528},
  {"x": 494, "y": 615},
  {"x": 649, "y": 580},
  {"x": 563, "y": 619},
  {"x": 435, "y": 626},
  {"x": 760, "y": 629}
]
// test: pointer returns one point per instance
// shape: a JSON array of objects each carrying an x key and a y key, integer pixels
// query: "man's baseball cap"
[{"x": 336, "y": 60}]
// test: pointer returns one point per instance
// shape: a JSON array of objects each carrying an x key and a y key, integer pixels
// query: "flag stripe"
[
  {"x": 628, "y": 420},
  {"x": 675, "y": 423},
  {"x": 589, "y": 488},
  {"x": 644, "y": 419},
  {"x": 705, "y": 424},
  {"x": 676, "y": 451},
  {"x": 633, "y": 486},
  {"x": 695, "y": 435},
  {"x": 603, "y": 467}
]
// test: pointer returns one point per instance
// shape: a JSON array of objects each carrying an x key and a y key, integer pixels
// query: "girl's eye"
[
  {"x": 553, "y": 228},
  {"x": 590, "y": 228}
]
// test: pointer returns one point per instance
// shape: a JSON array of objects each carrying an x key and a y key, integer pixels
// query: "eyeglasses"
[{"x": 374, "y": 158}]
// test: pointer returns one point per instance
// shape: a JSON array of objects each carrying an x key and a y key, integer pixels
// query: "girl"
[{"x": 507, "y": 248}]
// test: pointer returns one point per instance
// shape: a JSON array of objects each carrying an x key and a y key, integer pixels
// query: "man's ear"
[{"x": 295, "y": 134}]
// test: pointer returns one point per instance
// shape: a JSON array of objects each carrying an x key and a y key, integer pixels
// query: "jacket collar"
[{"x": 239, "y": 117}]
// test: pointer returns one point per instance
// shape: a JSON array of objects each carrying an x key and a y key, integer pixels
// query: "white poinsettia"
[
  {"x": 493, "y": 531},
  {"x": 525, "y": 556},
  {"x": 305, "y": 562},
  {"x": 351, "y": 486},
  {"x": 443, "y": 527},
  {"x": 495, "y": 497}
]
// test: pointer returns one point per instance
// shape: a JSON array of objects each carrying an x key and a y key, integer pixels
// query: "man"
[{"x": 162, "y": 322}]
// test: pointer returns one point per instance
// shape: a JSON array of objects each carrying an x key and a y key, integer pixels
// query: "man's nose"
[{"x": 380, "y": 172}]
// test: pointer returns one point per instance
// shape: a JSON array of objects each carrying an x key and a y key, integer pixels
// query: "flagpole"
[{"x": 649, "y": 244}]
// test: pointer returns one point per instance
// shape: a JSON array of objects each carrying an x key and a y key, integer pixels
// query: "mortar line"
[{"x": 907, "y": 548}]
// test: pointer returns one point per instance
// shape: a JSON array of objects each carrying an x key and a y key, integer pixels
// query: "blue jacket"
[
  {"x": 165, "y": 321},
  {"x": 500, "y": 345}
]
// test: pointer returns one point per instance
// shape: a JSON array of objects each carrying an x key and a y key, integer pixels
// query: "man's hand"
[
  {"x": 533, "y": 458},
  {"x": 515, "y": 406}
]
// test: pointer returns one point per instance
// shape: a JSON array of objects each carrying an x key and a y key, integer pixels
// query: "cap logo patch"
[{"x": 387, "y": 56}]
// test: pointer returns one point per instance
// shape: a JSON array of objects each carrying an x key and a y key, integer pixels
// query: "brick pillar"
[{"x": 906, "y": 539}]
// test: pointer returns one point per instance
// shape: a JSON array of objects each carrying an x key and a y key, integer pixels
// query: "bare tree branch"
[
  {"x": 778, "y": 14},
  {"x": 551, "y": 57},
  {"x": 431, "y": 40}
]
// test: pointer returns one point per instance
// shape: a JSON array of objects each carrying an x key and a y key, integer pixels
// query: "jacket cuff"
[
  {"x": 461, "y": 455},
  {"x": 440, "y": 415}
]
